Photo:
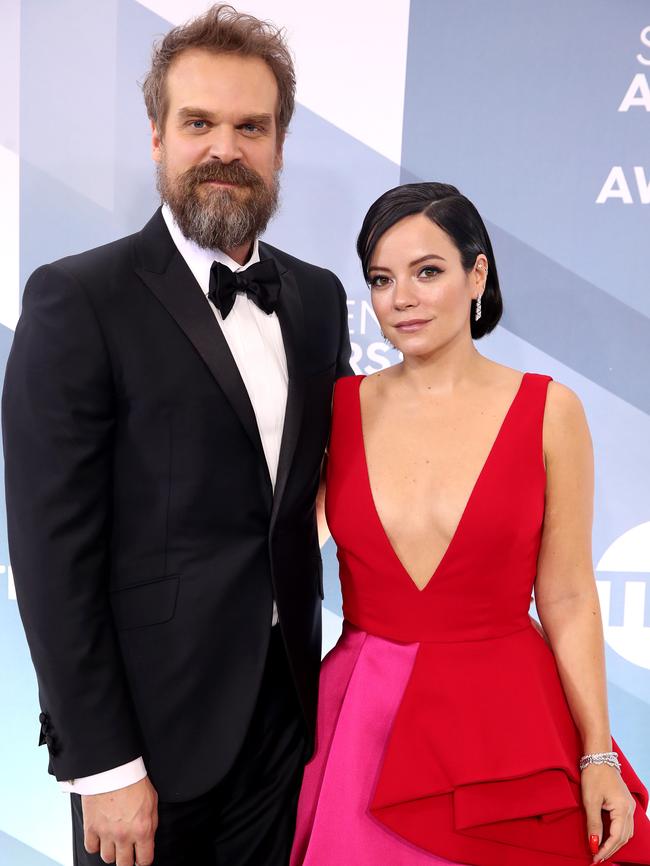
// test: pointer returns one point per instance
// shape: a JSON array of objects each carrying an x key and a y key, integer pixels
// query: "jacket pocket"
[{"x": 149, "y": 603}]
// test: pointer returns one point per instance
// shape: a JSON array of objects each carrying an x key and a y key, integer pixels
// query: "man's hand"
[{"x": 120, "y": 825}]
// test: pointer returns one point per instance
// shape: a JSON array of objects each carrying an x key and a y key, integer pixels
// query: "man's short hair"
[{"x": 222, "y": 30}]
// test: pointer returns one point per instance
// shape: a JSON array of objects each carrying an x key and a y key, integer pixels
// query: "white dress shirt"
[{"x": 255, "y": 341}]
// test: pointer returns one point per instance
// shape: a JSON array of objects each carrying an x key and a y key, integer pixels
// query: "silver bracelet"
[{"x": 609, "y": 758}]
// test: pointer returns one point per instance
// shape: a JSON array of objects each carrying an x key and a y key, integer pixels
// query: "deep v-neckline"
[{"x": 470, "y": 500}]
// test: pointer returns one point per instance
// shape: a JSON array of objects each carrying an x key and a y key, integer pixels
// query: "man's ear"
[{"x": 156, "y": 142}]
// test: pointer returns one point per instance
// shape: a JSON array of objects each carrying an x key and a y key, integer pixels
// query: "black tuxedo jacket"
[{"x": 145, "y": 539}]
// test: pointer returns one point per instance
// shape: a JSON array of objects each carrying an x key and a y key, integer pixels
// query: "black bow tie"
[{"x": 260, "y": 281}]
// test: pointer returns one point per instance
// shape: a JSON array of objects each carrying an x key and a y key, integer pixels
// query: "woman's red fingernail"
[{"x": 594, "y": 844}]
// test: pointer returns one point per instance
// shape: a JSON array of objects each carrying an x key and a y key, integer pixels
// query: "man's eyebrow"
[
  {"x": 261, "y": 119},
  {"x": 187, "y": 111},
  {"x": 193, "y": 111}
]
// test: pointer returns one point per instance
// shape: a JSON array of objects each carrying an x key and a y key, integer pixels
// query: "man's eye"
[
  {"x": 251, "y": 127},
  {"x": 197, "y": 124}
]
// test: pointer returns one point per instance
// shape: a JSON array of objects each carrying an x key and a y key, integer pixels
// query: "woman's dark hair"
[{"x": 454, "y": 214}]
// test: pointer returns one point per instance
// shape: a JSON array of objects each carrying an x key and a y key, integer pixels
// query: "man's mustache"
[{"x": 233, "y": 172}]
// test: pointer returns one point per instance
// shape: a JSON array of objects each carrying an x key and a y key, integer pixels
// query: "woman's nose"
[{"x": 404, "y": 295}]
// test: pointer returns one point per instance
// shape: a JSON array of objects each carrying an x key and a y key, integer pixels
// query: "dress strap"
[
  {"x": 344, "y": 400},
  {"x": 346, "y": 390},
  {"x": 348, "y": 384},
  {"x": 527, "y": 425},
  {"x": 535, "y": 390}
]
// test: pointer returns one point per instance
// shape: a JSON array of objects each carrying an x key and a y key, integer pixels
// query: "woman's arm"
[
  {"x": 323, "y": 529},
  {"x": 568, "y": 607}
]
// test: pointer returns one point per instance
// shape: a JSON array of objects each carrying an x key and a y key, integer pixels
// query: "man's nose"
[{"x": 224, "y": 144}]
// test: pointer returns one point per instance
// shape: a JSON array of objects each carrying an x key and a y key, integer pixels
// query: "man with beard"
[{"x": 166, "y": 409}]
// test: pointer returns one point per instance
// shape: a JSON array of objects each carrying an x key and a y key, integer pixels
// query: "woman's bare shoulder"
[
  {"x": 566, "y": 431},
  {"x": 563, "y": 406},
  {"x": 378, "y": 382}
]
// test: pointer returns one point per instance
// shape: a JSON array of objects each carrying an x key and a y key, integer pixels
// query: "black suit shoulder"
[
  {"x": 120, "y": 249},
  {"x": 110, "y": 274},
  {"x": 299, "y": 266},
  {"x": 100, "y": 266}
]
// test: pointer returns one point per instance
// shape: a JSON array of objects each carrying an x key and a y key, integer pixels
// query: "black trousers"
[{"x": 248, "y": 819}]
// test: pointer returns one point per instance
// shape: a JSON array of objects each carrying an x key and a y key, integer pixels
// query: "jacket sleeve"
[
  {"x": 343, "y": 367},
  {"x": 58, "y": 424}
]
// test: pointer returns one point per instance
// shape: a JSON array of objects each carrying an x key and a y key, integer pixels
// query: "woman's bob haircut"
[{"x": 455, "y": 214}]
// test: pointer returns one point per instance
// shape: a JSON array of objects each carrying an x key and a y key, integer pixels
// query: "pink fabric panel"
[{"x": 362, "y": 683}]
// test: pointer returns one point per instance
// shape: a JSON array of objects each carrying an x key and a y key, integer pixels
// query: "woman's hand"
[{"x": 603, "y": 789}]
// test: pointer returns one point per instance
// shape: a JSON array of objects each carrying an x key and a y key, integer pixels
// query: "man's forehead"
[
  {"x": 210, "y": 66},
  {"x": 211, "y": 81}
]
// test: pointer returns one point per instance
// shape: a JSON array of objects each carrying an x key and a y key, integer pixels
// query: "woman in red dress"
[{"x": 450, "y": 731}]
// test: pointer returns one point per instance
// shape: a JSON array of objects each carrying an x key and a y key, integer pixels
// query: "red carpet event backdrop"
[{"x": 539, "y": 116}]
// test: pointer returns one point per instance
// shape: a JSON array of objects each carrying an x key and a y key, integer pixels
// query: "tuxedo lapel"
[
  {"x": 167, "y": 275},
  {"x": 291, "y": 316}
]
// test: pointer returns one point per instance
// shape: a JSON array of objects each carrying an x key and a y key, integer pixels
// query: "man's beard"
[{"x": 219, "y": 217}]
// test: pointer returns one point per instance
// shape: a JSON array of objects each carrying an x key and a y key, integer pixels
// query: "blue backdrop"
[{"x": 540, "y": 118}]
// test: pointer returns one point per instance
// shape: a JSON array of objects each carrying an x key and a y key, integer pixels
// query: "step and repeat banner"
[{"x": 541, "y": 118}]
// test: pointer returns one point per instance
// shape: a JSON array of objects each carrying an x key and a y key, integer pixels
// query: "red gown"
[{"x": 444, "y": 734}]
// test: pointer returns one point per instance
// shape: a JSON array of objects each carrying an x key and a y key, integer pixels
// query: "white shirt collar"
[{"x": 198, "y": 259}]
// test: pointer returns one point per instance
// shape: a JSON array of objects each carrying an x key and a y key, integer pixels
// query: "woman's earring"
[
  {"x": 384, "y": 337},
  {"x": 477, "y": 313}
]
